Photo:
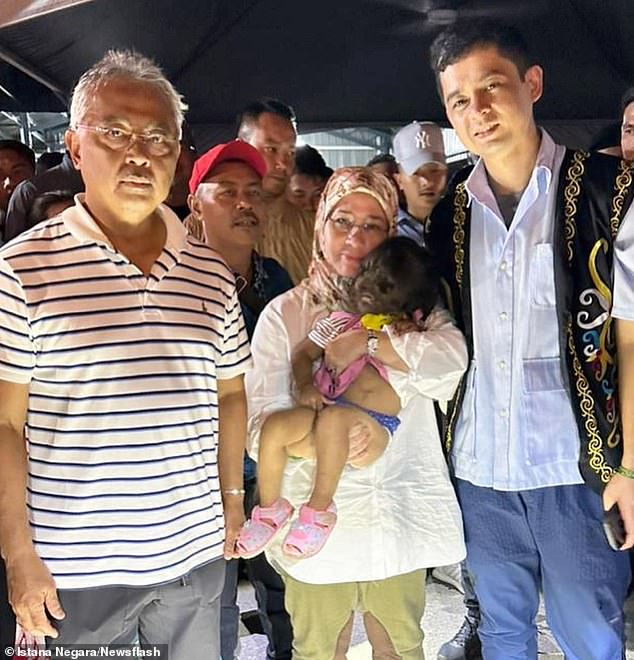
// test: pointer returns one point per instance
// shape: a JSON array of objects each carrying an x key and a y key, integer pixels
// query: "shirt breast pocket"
[{"x": 542, "y": 276}]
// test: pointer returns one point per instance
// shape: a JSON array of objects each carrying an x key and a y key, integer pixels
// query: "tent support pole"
[{"x": 23, "y": 66}]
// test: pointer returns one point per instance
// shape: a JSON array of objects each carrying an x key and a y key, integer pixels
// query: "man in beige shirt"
[{"x": 270, "y": 126}]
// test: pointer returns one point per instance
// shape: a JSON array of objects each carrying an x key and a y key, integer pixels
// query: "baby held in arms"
[{"x": 396, "y": 286}]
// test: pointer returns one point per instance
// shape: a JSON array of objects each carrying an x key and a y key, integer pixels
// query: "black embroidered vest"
[{"x": 594, "y": 192}]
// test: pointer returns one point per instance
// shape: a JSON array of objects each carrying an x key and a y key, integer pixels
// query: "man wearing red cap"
[
  {"x": 227, "y": 213},
  {"x": 270, "y": 126}
]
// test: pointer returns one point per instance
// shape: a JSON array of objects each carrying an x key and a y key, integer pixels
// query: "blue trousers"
[{"x": 550, "y": 539}]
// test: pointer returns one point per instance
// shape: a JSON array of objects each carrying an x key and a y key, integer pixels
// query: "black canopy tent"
[{"x": 338, "y": 62}]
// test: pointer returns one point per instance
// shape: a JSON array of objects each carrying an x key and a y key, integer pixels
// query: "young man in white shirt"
[{"x": 528, "y": 243}]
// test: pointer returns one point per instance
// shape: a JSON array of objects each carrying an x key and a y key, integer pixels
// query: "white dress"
[{"x": 400, "y": 514}]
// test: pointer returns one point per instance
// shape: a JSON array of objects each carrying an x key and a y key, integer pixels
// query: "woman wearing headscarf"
[{"x": 399, "y": 515}]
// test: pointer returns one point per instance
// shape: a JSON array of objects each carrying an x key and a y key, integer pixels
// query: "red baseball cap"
[{"x": 236, "y": 150}]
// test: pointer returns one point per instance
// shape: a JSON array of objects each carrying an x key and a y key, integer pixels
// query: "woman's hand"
[
  {"x": 359, "y": 439},
  {"x": 345, "y": 349},
  {"x": 309, "y": 396},
  {"x": 404, "y": 326}
]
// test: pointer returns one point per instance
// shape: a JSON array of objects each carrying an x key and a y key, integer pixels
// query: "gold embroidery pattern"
[
  {"x": 571, "y": 194},
  {"x": 586, "y": 401},
  {"x": 599, "y": 351},
  {"x": 615, "y": 437},
  {"x": 459, "y": 218},
  {"x": 595, "y": 444},
  {"x": 621, "y": 186},
  {"x": 598, "y": 339},
  {"x": 459, "y": 396}
]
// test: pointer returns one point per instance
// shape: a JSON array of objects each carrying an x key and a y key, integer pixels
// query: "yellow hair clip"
[{"x": 376, "y": 321}]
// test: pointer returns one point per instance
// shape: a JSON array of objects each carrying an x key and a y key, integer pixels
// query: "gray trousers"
[{"x": 184, "y": 614}]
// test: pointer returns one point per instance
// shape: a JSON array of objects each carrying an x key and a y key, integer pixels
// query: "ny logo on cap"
[{"x": 423, "y": 141}]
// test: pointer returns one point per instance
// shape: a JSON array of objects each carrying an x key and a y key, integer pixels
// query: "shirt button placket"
[
  {"x": 502, "y": 371},
  {"x": 149, "y": 312}
]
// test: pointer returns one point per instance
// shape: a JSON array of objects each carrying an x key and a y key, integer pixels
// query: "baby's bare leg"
[
  {"x": 370, "y": 391},
  {"x": 284, "y": 432},
  {"x": 332, "y": 446}
]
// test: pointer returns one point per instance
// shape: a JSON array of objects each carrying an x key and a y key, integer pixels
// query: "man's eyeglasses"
[
  {"x": 366, "y": 229},
  {"x": 155, "y": 142}
]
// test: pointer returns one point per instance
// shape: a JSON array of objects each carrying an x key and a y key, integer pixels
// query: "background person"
[
  {"x": 308, "y": 179},
  {"x": 421, "y": 175},
  {"x": 50, "y": 204},
  {"x": 608, "y": 140},
  {"x": 61, "y": 177},
  {"x": 627, "y": 125},
  {"x": 270, "y": 126},
  {"x": 383, "y": 164},
  {"x": 17, "y": 164},
  {"x": 179, "y": 190},
  {"x": 48, "y": 160},
  {"x": 227, "y": 213}
]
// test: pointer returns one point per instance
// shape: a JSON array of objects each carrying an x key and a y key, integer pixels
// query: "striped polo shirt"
[{"x": 122, "y": 425}]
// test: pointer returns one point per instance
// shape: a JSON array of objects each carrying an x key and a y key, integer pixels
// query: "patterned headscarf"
[{"x": 322, "y": 281}]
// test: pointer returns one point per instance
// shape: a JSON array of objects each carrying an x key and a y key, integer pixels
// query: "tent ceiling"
[
  {"x": 338, "y": 62},
  {"x": 15, "y": 11}
]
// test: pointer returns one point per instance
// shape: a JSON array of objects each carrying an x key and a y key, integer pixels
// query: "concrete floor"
[{"x": 443, "y": 616}]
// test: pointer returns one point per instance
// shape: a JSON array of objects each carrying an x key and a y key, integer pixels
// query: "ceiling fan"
[{"x": 422, "y": 16}]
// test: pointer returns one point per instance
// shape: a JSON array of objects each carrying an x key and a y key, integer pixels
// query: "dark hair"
[
  {"x": 42, "y": 203},
  {"x": 397, "y": 277},
  {"x": 381, "y": 158},
  {"x": 187, "y": 138},
  {"x": 458, "y": 40},
  {"x": 608, "y": 136},
  {"x": 251, "y": 113},
  {"x": 47, "y": 160},
  {"x": 19, "y": 148},
  {"x": 309, "y": 162},
  {"x": 626, "y": 99}
]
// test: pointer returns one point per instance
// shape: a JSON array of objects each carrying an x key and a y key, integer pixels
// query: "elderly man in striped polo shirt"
[{"x": 122, "y": 354}]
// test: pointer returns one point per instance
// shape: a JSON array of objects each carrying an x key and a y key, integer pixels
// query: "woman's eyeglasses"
[{"x": 345, "y": 226}]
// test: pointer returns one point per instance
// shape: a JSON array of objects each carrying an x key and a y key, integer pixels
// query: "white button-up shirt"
[{"x": 516, "y": 429}]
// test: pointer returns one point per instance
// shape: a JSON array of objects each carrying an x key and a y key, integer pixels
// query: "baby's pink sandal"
[
  {"x": 309, "y": 532},
  {"x": 264, "y": 524}
]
